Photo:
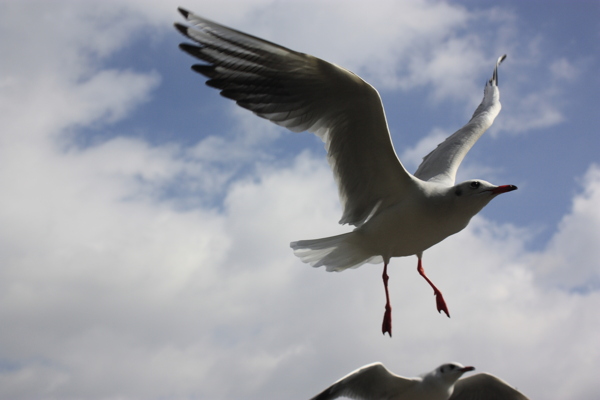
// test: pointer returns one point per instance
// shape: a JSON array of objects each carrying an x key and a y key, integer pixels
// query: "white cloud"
[
  {"x": 564, "y": 69},
  {"x": 412, "y": 157},
  {"x": 109, "y": 289},
  {"x": 535, "y": 111},
  {"x": 574, "y": 245},
  {"x": 138, "y": 300}
]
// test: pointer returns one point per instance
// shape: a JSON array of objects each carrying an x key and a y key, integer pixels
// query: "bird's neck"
[{"x": 440, "y": 387}]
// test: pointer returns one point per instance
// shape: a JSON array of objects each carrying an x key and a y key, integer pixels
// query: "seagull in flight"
[
  {"x": 376, "y": 382},
  {"x": 395, "y": 213}
]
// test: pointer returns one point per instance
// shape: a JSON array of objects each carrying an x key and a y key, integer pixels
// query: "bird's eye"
[{"x": 475, "y": 184}]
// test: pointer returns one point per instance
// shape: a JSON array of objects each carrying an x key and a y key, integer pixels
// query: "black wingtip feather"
[
  {"x": 494, "y": 80},
  {"x": 181, "y": 28},
  {"x": 211, "y": 83},
  {"x": 206, "y": 70},
  {"x": 183, "y": 12},
  {"x": 203, "y": 69},
  {"x": 191, "y": 49},
  {"x": 228, "y": 94}
]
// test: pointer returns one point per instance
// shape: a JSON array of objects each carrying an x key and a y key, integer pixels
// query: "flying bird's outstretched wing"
[
  {"x": 370, "y": 382},
  {"x": 442, "y": 163},
  {"x": 302, "y": 92},
  {"x": 485, "y": 387}
]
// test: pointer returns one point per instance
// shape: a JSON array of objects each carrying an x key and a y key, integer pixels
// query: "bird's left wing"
[
  {"x": 485, "y": 387},
  {"x": 442, "y": 163},
  {"x": 304, "y": 93},
  {"x": 371, "y": 382}
]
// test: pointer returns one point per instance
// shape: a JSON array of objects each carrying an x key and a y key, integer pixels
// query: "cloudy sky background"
[{"x": 145, "y": 221}]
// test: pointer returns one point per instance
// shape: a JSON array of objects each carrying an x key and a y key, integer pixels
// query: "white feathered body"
[{"x": 408, "y": 227}]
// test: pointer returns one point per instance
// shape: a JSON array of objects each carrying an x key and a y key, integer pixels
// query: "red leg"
[
  {"x": 439, "y": 299},
  {"x": 386, "y": 326}
]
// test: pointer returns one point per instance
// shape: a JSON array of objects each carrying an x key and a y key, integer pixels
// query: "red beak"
[
  {"x": 503, "y": 189},
  {"x": 467, "y": 369}
]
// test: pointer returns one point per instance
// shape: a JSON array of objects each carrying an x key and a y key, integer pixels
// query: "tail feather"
[{"x": 336, "y": 253}]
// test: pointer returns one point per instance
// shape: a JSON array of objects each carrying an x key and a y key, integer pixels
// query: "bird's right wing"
[
  {"x": 442, "y": 163},
  {"x": 371, "y": 382},
  {"x": 302, "y": 92},
  {"x": 485, "y": 387}
]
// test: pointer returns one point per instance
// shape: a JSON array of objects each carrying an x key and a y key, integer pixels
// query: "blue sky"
[
  {"x": 572, "y": 31},
  {"x": 145, "y": 221}
]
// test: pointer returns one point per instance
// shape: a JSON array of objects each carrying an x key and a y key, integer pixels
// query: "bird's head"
[
  {"x": 475, "y": 194},
  {"x": 451, "y": 372},
  {"x": 443, "y": 378}
]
